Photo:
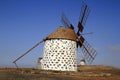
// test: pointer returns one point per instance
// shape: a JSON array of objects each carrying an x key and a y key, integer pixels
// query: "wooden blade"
[
  {"x": 81, "y": 41},
  {"x": 83, "y": 17},
  {"x": 66, "y": 22},
  {"x": 84, "y": 13},
  {"x": 27, "y": 52},
  {"x": 88, "y": 52},
  {"x": 80, "y": 28}
]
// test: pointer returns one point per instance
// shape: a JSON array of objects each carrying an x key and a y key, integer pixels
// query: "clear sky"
[{"x": 23, "y": 23}]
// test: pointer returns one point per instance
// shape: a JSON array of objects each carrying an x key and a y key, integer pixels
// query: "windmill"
[
  {"x": 60, "y": 47},
  {"x": 89, "y": 53}
]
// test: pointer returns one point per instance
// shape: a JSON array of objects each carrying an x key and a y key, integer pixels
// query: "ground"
[{"x": 84, "y": 73}]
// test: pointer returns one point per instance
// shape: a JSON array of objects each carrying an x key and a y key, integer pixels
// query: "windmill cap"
[{"x": 63, "y": 33}]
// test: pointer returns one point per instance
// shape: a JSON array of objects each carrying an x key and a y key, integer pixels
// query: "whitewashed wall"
[
  {"x": 60, "y": 54},
  {"x": 39, "y": 63}
]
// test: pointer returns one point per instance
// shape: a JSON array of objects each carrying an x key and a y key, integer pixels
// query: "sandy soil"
[{"x": 84, "y": 73}]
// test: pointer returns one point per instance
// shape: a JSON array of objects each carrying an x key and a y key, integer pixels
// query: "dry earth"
[{"x": 84, "y": 73}]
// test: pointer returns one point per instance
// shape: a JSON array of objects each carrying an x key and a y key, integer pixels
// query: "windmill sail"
[
  {"x": 66, "y": 22},
  {"x": 88, "y": 52},
  {"x": 83, "y": 17},
  {"x": 27, "y": 52},
  {"x": 84, "y": 13}
]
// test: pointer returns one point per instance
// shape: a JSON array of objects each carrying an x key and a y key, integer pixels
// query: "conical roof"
[{"x": 63, "y": 33}]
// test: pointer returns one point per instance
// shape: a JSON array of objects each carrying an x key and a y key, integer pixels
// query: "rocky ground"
[{"x": 84, "y": 73}]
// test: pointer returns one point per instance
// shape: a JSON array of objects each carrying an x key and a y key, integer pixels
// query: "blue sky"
[{"x": 23, "y": 23}]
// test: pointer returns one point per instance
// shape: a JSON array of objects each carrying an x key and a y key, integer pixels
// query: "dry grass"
[{"x": 84, "y": 73}]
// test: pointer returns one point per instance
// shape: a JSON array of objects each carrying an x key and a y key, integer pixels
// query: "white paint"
[
  {"x": 82, "y": 63},
  {"x": 60, "y": 54},
  {"x": 39, "y": 63}
]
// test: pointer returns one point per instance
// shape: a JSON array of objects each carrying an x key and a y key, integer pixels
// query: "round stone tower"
[{"x": 60, "y": 51}]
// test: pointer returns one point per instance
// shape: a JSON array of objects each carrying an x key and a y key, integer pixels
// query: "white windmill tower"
[
  {"x": 60, "y": 50},
  {"x": 60, "y": 47}
]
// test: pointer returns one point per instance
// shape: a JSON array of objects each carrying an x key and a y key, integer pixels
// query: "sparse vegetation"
[{"x": 84, "y": 73}]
